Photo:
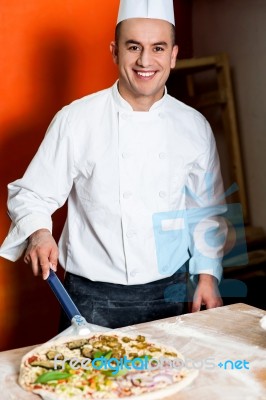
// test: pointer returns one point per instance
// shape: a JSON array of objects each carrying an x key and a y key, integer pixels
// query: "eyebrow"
[{"x": 131, "y": 41}]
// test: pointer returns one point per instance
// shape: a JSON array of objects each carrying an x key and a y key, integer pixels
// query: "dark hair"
[{"x": 118, "y": 29}]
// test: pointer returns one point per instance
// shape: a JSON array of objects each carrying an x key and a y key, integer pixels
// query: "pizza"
[{"x": 104, "y": 366}]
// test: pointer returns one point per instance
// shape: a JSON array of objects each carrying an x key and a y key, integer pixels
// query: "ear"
[
  {"x": 173, "y": 56},
  {"x": 114, "y": 51}
]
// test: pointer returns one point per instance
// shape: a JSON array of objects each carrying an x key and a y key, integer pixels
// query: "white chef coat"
[{"x": 118, "y": 168}]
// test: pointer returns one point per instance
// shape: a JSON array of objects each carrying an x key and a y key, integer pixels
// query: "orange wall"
[{"x": 52, "y": 52}]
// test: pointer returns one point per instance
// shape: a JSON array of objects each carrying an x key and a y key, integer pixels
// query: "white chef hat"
[{"x": 158, "y": 9}]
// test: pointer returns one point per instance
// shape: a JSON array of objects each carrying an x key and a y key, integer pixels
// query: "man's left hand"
[{"x": 207, "y": 293}]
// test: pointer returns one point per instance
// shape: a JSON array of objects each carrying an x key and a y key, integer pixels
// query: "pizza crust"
[{"x": 25, "y": 371}]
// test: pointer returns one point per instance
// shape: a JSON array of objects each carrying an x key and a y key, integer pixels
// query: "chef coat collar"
[{"x": 122, "y": 103}]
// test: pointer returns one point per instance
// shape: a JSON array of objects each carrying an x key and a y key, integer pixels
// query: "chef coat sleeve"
[
  {"x": 205, "y": 204},
  {"x": 43, "y": 188}
]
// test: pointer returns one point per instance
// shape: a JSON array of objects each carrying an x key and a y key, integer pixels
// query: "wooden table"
[{"x": 206, "y": 339}]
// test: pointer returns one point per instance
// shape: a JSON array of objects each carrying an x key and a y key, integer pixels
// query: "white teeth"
[{"x": 146, "y": 74}]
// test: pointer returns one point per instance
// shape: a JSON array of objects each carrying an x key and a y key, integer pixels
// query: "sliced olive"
[
  {"x": 126, "y": 339},
  {"x": 140, "y": 346},
  {"x": 140, "y": 338},
  {"x": 77, "y": 344},
  {"x": 114, "y": 344},
  {"x": 118, "y": 345},
  {"x": 110, "y": 338},
  {"x": 119, "y": 353},
  {"x": 153, "y": 349}
]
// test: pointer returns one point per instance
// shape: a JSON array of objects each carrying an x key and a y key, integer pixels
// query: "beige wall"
[{"x": 238, "y": 27}]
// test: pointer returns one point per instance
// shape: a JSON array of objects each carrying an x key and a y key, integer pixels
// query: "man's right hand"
[{"x": 42, "y": 252}]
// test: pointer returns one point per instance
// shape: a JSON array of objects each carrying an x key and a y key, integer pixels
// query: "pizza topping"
[
  {"x": 119, "y": 354},
  {"x": 86, "y": 352},
  {"x": 44, "y": 364},
  {"x": 109, "y": 341},
  {"x": 52, "y": 376},
  {"x": 37, "y": 386},
  {"x": 98, "y": 344},
  {"x": 52, "y": 353},
  {"x": 163, "y": 378},
  {"x": 98, "y": 354},
  {"x": 126, "y": 339},
  {"x": 140, "y": 345},
  {"x": 122, "y": 372},
  {"x": 142, "y": 380},
  {"x": 140, "y": 338},
  {"x": 133, "y": 355},
  {"x": 112, "y": 344},
  {"x": 81, "y": 376},
  {"x": 77, "y": 344},
  {"x": 153, "y": 349},
  {"x": 172, "y": 354},
  {"x": 31, "y": 359}
]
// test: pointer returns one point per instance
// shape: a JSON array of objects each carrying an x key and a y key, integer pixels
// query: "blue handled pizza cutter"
[{"x": 79, "y": 325}]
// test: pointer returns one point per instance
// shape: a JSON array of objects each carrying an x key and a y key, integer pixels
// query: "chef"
[{"x": 132, "y": 162}]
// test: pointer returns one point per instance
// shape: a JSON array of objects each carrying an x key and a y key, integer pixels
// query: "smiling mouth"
[{"x": 145, "y": 75}]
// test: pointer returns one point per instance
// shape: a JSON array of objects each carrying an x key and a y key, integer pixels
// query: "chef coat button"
[
  {"x": 162, "y": 194},
  {"x": 161, "y": 115},
  {"x": 127, "y": 195},
  {"x": 130, "y": 234},
  {"x": 162, "y": 156},
  {"x": 125, "y": 155},
  {"x": 133, "y": 274}
]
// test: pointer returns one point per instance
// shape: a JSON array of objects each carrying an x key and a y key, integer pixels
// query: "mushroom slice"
[
  {"x": 44, "y": 364},
  {"x": 52, "y": 353},
  {"x": 86, "y": 352}
]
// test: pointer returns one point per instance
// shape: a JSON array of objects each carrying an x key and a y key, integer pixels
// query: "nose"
[{"x": 145, "y": 59}]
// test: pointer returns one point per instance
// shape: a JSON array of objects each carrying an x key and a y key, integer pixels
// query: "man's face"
[{"x": 144, "y": 54}]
